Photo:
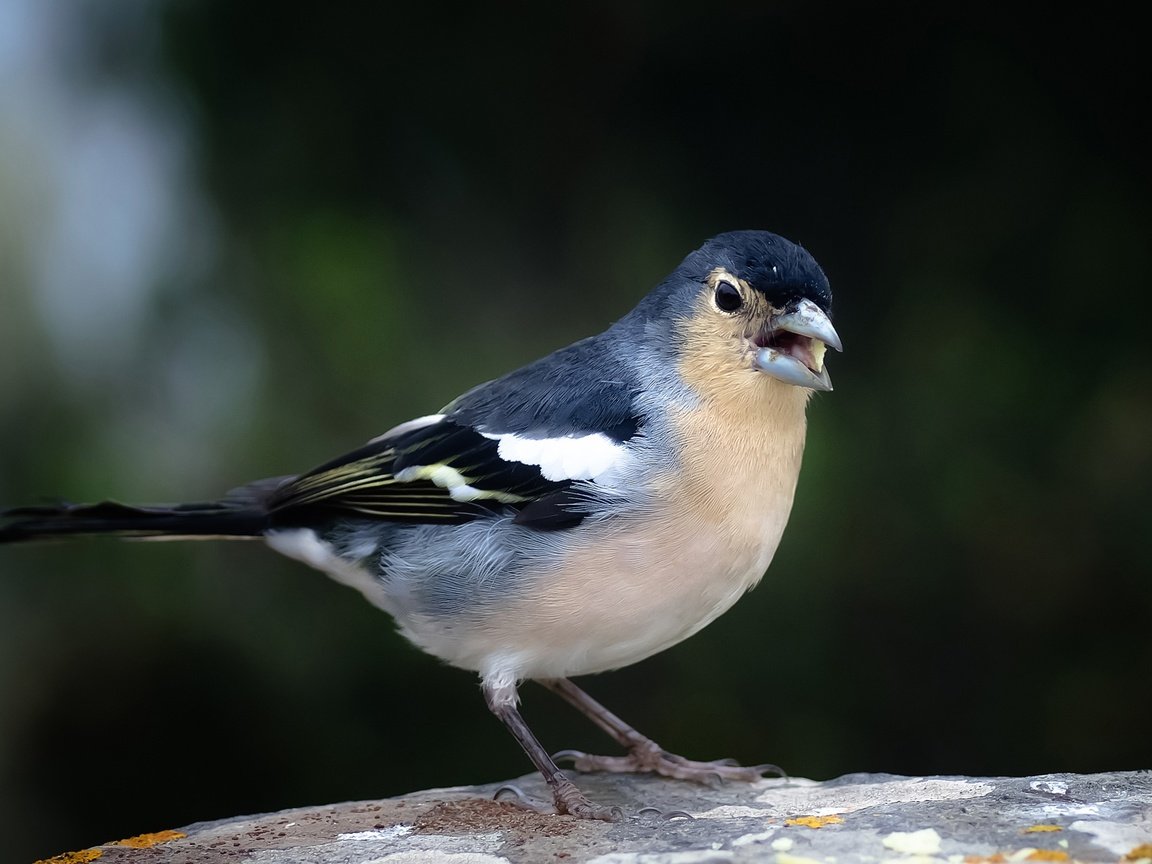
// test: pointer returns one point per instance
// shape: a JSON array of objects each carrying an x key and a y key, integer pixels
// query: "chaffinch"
[{"x": 577, "y": 515}]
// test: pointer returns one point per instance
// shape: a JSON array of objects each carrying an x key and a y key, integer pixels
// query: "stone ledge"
[{"x": 856, "y": 818}]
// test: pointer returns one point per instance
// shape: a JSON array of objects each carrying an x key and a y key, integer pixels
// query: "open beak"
[{"x": 792, "y": 348}]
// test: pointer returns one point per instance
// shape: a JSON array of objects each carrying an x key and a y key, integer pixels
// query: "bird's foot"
[
  {"x": 567, "y": 799},
  {"x": 571, "y": 800},
  {"x": 647, "y": 757}
]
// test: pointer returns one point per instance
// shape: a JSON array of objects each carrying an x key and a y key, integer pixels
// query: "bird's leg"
[
  {"x": 644, "y": 754},
  {"x": 565, "y": 795}
]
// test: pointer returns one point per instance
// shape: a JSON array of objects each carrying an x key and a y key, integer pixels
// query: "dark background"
[{"x": 375, "y": 209}]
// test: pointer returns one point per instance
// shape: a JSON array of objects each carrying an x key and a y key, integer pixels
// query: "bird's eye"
[{"x": 728, "y": 297}]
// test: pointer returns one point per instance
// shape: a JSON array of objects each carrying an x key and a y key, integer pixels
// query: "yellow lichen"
[
  {"x": 1036, "y": 829},
  {"x": 143, "y": 841},
  {"x": 81, "y": 857},
  {"x": 1047, "y": 855},
  {"x": 814, "y": 821},
  {"x": 1139, "y": 853}
]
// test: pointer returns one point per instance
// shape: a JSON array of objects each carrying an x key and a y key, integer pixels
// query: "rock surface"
[{"x": 857, "y": 818}]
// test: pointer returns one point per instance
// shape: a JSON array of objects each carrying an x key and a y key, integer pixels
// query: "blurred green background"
[{"x": 237, "y": 239}]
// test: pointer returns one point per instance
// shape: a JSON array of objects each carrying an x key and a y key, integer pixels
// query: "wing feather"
[
  {"x": 528, "y": 442},
  {"x": 443, "y": 473}
]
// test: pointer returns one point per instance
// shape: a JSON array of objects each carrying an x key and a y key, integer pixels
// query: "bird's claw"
[
  {"x": 572, "y": 756},
  {"x": 567, "y": 799},
  {"x": 510, "y": 793},
  {"x": 768, "y": 768},
  {"x": 667, "y": 816},
  {"x": 648, "y": 758},
  {"x": 509, "y": 789}
]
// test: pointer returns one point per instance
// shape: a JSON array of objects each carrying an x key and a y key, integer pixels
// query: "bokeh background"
[{"x": 237, "y": 239}]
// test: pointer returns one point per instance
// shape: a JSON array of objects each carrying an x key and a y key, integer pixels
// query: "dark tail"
[{"x": 214, "y": 519}]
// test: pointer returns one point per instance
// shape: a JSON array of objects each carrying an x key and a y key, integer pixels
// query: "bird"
[{"x": 576, "y": 515}]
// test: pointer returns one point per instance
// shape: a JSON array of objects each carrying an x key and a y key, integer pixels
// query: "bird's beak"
[{"x": 792, "y": 348}]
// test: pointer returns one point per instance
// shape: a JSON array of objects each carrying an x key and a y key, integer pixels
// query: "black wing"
[
  {"x": 365, "y": 482},
  {"x": 449, "y": 471}
]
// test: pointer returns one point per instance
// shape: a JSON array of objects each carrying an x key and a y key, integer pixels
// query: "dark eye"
[{"x": 727, "y": 297}]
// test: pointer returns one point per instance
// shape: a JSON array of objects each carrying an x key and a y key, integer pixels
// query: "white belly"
[
  {"x": 613, "y": 600},
  {"x": 621, "y": 595}
]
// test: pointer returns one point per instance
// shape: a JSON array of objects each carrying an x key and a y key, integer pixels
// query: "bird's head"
[{"x": 746, "y": 304}]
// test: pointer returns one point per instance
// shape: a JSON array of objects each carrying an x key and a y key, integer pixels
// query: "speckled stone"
[{"x": 858, "y": 818}]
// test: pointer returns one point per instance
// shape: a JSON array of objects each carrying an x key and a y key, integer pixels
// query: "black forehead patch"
[{"x": 777, "y": 268}]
